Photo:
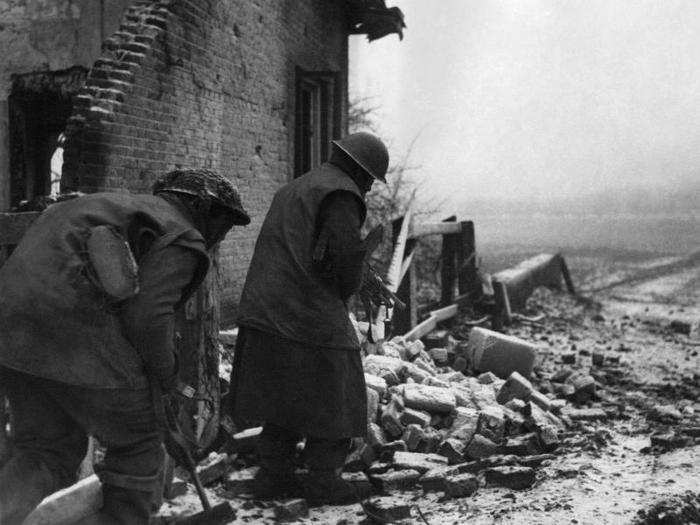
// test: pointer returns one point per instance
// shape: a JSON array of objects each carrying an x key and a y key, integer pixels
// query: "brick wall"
[
  {"x": 43, "y": 36},
  {"x": 188, "y": 83}
]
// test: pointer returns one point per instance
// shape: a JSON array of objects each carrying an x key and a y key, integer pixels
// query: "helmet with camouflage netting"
[{"x": 207, "y": 186}]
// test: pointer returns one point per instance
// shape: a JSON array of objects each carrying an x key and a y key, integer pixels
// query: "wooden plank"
[
  {"x": 448, "y": 268},
  {"x": 502, "y": 315},
  {"x": 422, "y": 329},
  {"x": 434, "y": 228},
  {"x": 445, "y": 313},
  {"x": 467, "y": 278},
  {"x": 567, "y": 276},
  {"x": 14, "y": 225},
  {"x": 69, "y": 505},
  {"x": 394, "y": 272}
]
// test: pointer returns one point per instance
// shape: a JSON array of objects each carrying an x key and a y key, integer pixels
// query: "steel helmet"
[
  {"x": 368, "y": 151},
  {"x": 206, "y": 185}
]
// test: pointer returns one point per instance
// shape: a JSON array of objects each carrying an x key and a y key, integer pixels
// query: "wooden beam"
[
  {"x": 69, "y": 505},
  {"x": 448, "y": 268},
  {"x": 434, "y": 228},
  {"x": 567, "y": 276},
  {"x": 14, "y": 225},
  {"x": 422, "y": 329},
  {"x": 502, "y": 315},
  {"x": 467, "y": 278},
  {"x": 443, "y": 314}
]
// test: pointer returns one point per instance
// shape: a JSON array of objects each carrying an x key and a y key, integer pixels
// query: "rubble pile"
[{"x": 432, "y": 425}]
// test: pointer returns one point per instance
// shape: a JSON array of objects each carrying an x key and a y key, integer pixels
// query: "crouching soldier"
[
  {"x": 297, "y": 366},
  {"x": 87, "y": 304}
]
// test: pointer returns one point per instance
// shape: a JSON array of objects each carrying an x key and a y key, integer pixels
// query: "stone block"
[
  {"x": 463, "y": 396},
  {"x": 665, "y": 414},
  {"x": 453, "y": 450},
  {"x": 514, "y": 421},
  {"x": 465, "y": 424},
  {"x": 501, "y": 354},
  {"x": 460, "y": 485},
  {"x": 492, "y": 422},
  {"x": 434, "y": 480},
  {"x": 414, "y": 373},
  {"x": 213, "y": 468},
  {"x": 430, "y": 442},
  {"x": 480, "y": 447},
  {"x": 424, "y": 363},
  {"x": 584, "y": 387},
  {"x": 388, "y": 510},
  {"x": 429, "y": 398},
  {"x": 452, "y": 377},
  {"x": 418, "y": 417},
  {"x": 517, "y": 405},
  {"x": 540, "y": 400},
  {"x": 403, "y": 479},
  {"x": 597, "y": 359},
  {"x": 549, "y": 438},
  {"x": 563, "y": 389},
  {"x": 487, "y": 378},
  {"x": 515, "y": 387},
  {"x": 391, "y": 417},
  {"x": 380, "y": 365},
  {"x": 372, "y": 405},
  {"x": 387, "y": 452},
  {"x": 241, "y": 481},
  {"x": 439, "y": 356},
  {"x": 436, "y": 339},
  {"x": 417, "y": 461},
  {"x": 515, "y": 478},
  {"x": 291, "y": 510},
  {"x": 482, "y": 395},
  {"x": 375, "y": 436},
  {"x": 414, "y": 348},
  {"x": 413, "y": 436},
  {"x": 376, "y": 383},
  {"x": 525, "y": 445}
]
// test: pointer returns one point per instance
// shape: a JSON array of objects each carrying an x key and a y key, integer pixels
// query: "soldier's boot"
[
  {"x": 275, "y": 478},
  {"x": 324, "y": 485},
  {"x": 122, "y": 506},
  {"x": 24, "y": 482}
]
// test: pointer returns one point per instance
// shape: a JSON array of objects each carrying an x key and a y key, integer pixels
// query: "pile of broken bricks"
[
  {"x": 432, "y": 425},
  {"x": 444, "y": 415}
]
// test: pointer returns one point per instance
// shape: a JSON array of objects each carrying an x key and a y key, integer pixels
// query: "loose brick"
[
  {"x": 429, "y": 398},
  {"x": 291, "y": 510},
  {"x": 376, "y": 383},
  {"x": 453, "y": 450},
  {"x": 480, "y": 447},
  {"x": 410, "y": 416},
  {"x": 501, "y": 354},
  {"x": 516, "y": 478},
  {"x": 387, "y": 509},
  {"x": 214, "y": 468},
  {"x": 460, "y": 486},
  {"x": 417, "y": 461},
  {"x": 515, "y": 387},
  {"x": 439, "y": 355},
  {"x": 403, "y": 479},
  {"x": 241, "y": 481}
]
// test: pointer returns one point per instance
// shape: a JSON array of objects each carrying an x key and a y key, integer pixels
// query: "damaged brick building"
[{"x": 255, "y": 90}]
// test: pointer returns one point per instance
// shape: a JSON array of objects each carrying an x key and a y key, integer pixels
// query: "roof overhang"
[{"x": 374, "y": 19}]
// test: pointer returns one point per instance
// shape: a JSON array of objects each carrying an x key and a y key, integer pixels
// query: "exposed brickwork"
[{"x": 188, "y": 83}]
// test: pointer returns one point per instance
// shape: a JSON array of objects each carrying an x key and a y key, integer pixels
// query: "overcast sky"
[{"x": 522, "y": 98}]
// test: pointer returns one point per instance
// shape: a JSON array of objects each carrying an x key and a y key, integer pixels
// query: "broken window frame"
[{"x": 318, "y": 117}]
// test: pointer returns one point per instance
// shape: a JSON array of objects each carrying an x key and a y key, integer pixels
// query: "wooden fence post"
[
  {"x": 448, "y": 270},
  {"x": 406, "y": 319},
  {"x": 468, "y": 280},
  {"x": 502, "y": 313}
]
